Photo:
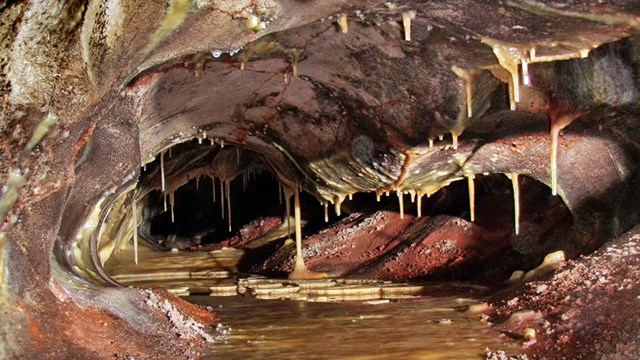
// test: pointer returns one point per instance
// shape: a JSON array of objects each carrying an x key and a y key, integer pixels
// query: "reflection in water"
[
  {"x": 397, "y": 325},
  {"x": 282, "y": 329}
]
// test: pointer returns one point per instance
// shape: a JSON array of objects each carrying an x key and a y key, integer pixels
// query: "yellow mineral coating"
[
  {"x": 407, "y": 16},
  {"x": 299, "y": 265},
  {"x": 468, "y": 76},
  {"x": 550, "y": 262},
  {"x": 342, "y": 23},
  {"x": 529, "y": 334},
  {"x": 509, "y": 58}
]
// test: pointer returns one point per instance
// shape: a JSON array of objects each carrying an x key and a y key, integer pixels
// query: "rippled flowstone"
[{"x": 327, "y": 290}]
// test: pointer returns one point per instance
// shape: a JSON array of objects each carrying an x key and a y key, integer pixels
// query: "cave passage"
[{"x": 205, "y": 184}]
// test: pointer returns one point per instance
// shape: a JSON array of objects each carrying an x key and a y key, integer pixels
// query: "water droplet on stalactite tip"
[
  {"x": 472, "y": 197},
  {"x": 516, "y": 200},
  {"x": 400, "y": 203},
  {"x": 162, "y": 173},
  {"x": 342, "y": 23},
  {"x": 407, "y": 16}
]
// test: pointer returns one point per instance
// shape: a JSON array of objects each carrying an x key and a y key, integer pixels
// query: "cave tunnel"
[{"x": 183, "y": 179}]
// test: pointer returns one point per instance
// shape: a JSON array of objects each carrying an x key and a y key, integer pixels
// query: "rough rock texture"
[{"x": 585, "y": 309}]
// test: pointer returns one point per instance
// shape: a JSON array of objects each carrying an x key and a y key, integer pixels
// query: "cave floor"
[{"x": 279, "y": 318}]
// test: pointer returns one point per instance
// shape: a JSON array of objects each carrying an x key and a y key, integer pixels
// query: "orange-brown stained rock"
[{"x": 65, "y": 330}]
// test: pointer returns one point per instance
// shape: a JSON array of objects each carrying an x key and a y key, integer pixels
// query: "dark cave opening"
[
  {"x": 257, "y": 207},
  {"x": 197, "y": 214}
]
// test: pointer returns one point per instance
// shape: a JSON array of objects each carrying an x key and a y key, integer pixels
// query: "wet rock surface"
[{"x": 583, "y": 310}]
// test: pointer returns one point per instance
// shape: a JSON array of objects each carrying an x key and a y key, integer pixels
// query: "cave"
[{"x": 319, "y": 158}]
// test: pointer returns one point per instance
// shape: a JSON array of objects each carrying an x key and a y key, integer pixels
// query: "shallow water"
[
  {"x": 398, "y": 322},
  {"x": 414, "y": 329}
]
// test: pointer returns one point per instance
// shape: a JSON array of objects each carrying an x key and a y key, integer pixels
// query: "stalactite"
[
  {"x": 516, "y": 200},
  {"x": 171, "y": 203},
  {"x": 135, "y": 230},
  {"x": 342, "y": 22},
  {"x": 299, "y": 265},
  {"x": 162, "y": 173},
  {"x": 228, "y": 194},
  {"x": 337, "y": 201},
  {"x": 472, "y": 197},
  {"x": 401, "y": 203},
  {"x": 326, "y": 212},
  {"x": 407, "y": 16}
]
